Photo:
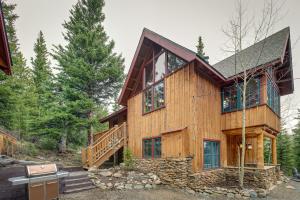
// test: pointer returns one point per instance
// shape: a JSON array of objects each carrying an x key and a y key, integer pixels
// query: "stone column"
[
  {"x": 260, "y": 151},
  {"x": 274, "y": 151}
]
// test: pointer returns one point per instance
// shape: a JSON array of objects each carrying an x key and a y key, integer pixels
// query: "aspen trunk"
[
  {"x": 243, "y": 131},
  {"x": 62, "y": 148}
]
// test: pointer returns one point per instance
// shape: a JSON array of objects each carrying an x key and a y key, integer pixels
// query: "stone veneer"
[
  {"x": 254, "y": 177},
  {"x": 177, "y": 172}
]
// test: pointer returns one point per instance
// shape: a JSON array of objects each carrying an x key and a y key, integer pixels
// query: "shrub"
[
  {"x": 128, "y": 158},
  {"x": 28, "y": 149},
  {"x": 47, "y": 144}
]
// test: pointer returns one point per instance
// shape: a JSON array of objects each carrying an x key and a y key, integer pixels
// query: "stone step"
[
  {"x": 76, "y": 180},
  {"x": 78, "y": 185},
  {"x": 69, "y": 191}
]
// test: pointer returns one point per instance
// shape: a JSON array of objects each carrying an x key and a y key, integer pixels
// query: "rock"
[
  {"x": 279, "y": 182},
  {"x": 245, "y": 193},
  {"x": 148, "y": 186},
  {"x": 154, "y": 177},
  {"x": 120, "y": 187},
  {"x": 138, "y": 187},
  {"x": 93, "y": 169},
  {"x": 230, "y": 195},
  {"x": 272, "y": 187},
  {"x": 128, "y": 186},
  {"x": 102, "y": 186},
  {"x": 109, "y": 185},
  {"x": 117, "y": 175},
  {"x": 157, "y": 182},
  {"x": 237, "y": 196},
  {"x": 253, "y": 194},
  {"x": 190, "y": 191},
  {"x": 290, "y": 187},
  {"x": 105, "y": 173},
  {"x": 262, "y": 193},
  {"x": 122, "y": 164},
  {"x": 144, "y": 181}
]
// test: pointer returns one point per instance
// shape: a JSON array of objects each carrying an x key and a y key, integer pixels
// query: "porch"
[{"x": 256, "y": 156}]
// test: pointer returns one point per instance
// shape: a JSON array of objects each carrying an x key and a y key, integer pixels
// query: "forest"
[{"x": 57, "y": 105}]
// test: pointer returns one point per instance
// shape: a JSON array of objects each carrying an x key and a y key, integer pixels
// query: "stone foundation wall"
[
  {"x": 254, "y": 178},
  {"x": 178, "y": 173}
]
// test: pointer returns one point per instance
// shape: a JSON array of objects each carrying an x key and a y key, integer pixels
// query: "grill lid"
[{"x": 39, "y": 170}]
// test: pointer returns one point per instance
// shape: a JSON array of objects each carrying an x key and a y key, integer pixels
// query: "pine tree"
[
  {"x": 90, "y": 73},
  {"x": 20, "y": 84},
  {"x": 284, "y": 152},
  {"x": 297, "y": 142},
  {"x": 200, "y": 47}
]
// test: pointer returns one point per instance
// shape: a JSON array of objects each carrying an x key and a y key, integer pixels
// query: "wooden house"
[
  {"x": 177, "y": 105},
  {"x": 7, "y": 140}
]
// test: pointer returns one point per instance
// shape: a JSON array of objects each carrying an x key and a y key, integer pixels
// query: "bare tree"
[{"x": 241, "y": 28}]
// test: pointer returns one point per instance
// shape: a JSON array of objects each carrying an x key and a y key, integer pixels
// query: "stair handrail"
[
  {"x": 107, "y": 135},
  {"x": 104, "y": 133}
]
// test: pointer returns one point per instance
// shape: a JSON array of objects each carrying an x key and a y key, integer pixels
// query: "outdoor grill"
[{"x": 42, "y": 180}]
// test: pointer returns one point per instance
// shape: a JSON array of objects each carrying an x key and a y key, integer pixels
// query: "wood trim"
[{"x": 172, "y": 131}]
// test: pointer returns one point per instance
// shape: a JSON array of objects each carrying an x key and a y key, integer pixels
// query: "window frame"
[
  {"x": 152, "y": 147},
  {"x": 219, "y": 154}
]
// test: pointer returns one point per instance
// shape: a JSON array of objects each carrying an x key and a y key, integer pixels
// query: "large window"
[
  {"x": 152, "y": 148},
  {"x": 273, "y": 96},
  {"x": 211, "y": 154},
  {"x": 155, "y": 70},
  {"x": 232, "y": 96}
]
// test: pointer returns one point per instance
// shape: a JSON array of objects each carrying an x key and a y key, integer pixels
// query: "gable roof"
[
  {"x": 268, "y": 50},
  {"x": 184, "y": 53}
]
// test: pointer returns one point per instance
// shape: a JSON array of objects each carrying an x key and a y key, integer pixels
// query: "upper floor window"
[
  {"x": 232, "y": 96},
  {"x": 273, "y": 96},
  {"x": 155, "y": 70}
]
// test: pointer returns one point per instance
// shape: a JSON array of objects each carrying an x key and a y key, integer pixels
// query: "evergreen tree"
[
  {"x": 20, "y": 84},
  {"x": 200, "y": 47},
  {"x": 285, "y": 152},
  {"x": 297, "y": 142},
  {"x": 90, "y": 73}
]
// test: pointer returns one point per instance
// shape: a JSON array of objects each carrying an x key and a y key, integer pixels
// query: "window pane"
[
  {"x": 252, "y": 93},
  {"x": 157, "y": 148},
  {"x": 174, "y": 62},
  {"x": 147, "y": 148},
  {"x": 148, "y": 74},
  {"x": 211, "y": 154},
  {"x": 160, "y": 66},
  {"x": 159, "y": 97},
  {"x": 229, "y": 98},
  {"x": 148, "y": 100}
]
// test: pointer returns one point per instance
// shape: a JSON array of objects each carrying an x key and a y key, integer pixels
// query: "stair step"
[
  {"x": 78, "y": 185},
  {"x": 69, "y": 191},
  {"x": 77, "y": 180}
]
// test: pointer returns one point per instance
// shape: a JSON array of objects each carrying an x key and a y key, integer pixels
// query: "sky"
[{"x": 179, "y": 20}]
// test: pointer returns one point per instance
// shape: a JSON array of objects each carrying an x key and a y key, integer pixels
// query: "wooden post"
[
  {"x": 1, "y": 144},
  {"x": 89, "y": 156},
  {"x": 274, "y": 151},
  {"x": 125, "y": 134},
  {"x": 260, "y": 151}
]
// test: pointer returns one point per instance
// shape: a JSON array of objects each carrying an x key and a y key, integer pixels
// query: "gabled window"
[
  {"x": 211, "y": 154},
  {"x": 155, "y": 70},
  {"x": 152, "y": 148},
  {"x": 232, "y": 96}
]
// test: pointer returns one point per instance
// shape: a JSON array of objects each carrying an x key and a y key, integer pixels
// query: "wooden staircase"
[{"x": 105, "y": 145}]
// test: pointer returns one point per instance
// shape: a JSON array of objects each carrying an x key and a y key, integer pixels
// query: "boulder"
[
  {"x": 105, "y": 173},
  {"x": 117, "y": 175}
]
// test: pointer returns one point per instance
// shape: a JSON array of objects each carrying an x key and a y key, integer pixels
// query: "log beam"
[{"x": 274, "y": 152}]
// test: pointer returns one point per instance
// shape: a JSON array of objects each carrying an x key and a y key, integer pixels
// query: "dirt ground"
[{"x": 166, "y": 193}]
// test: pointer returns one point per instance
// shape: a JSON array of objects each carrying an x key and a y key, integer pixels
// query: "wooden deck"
[{"x": 8, "y": 143}]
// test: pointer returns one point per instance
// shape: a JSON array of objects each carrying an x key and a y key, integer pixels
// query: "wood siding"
[
  {"x": 175, "y": 115},
  {"x": 256, "y": 116}
]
